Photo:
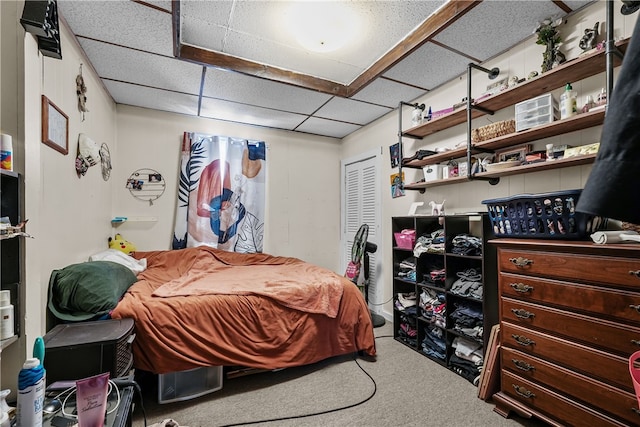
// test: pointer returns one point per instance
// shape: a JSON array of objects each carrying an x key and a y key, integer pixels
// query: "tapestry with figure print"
[{"x": 221, "y": 196}]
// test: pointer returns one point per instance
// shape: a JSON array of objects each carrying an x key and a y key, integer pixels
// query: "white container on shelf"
[
  {"x": 536, "y": 111},
  {"x": 6, "y": 152},
  {"x": 432, "y": 172},
  {"x": 6, "y": 315}
]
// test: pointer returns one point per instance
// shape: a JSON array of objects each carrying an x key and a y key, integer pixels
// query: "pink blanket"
[{"x": 294, "y": 283}]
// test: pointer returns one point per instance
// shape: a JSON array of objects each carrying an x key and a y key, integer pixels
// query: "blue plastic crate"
[{"x": 540, "y": 216}]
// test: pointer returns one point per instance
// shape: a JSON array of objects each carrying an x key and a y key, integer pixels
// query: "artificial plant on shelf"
[{"x": 549, "y": 37}]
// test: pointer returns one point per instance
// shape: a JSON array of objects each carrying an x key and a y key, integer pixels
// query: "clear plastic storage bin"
[
  {"x": 184, "y": 385},
  {"x": 536, "y": 111}
]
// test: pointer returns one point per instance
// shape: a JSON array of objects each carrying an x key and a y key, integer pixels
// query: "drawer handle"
[
  {"x": 521, "y": 313},
  {"x": 635, "y": 273},
  {"x": 520, "y": 261},
  {"x": 523, "y": 340},
  {"x": 523, "y": 391},
  {"x": 636, "y": 411},
  {"x": 521, "y": 287},
  {"x": 635, "y": 307},
  {"x": 636, "y": 342},
  {"x": 522, "y": 365}
]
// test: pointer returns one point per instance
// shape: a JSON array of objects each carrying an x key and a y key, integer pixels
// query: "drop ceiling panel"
[
  {"x": 472, "y": 35},
  {"x": 382, "y": 25},
  {"x": 290, "y": 57},
  {"x": 124, "y": 23},
  {"x": 351, "y": 111},
  {"x": 429, "y": 66},
  {"x": 204, "y": 24},
  {"x": 241, "y": 113},
  {"x": 324, "y": 127},
  {"x": 388, "y": 93},
  {"x": 229, "y": 85},
  {"x": 156, "y": 99},
  {"x": 262, "y": 34},
  {"x": 132, "y": 66}
]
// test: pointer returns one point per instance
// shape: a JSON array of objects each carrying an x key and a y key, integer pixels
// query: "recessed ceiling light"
[{"x": 323, "y": 26}]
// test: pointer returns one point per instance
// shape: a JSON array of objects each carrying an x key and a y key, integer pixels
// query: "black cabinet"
[
  {"x": 11, "y": 247},
  {"x": 445, "y": 288}
]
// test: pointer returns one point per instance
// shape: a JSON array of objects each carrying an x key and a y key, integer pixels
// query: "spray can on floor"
[{"x": 31, "y": 386}]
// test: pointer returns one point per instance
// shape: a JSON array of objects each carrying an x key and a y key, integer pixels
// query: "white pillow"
[{"x": 114, "y": 255}]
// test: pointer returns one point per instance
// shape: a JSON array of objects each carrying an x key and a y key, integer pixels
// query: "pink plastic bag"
[{"x": 635, "y": 373}]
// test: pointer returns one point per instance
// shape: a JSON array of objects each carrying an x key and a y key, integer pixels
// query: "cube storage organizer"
[
  {"x": 542, "y": 216},
  {"x": 184, "y": 385}
]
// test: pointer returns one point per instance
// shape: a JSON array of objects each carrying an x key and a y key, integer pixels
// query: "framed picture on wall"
[
  {"x": 514, "y": 153},
  {"x": 55, "y": 126}
]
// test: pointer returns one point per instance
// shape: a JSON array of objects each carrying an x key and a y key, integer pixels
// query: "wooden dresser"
[{"x": 569, "y": 320}]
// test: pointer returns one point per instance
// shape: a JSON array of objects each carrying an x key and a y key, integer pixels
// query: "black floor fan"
[{"x": 360, "y": 256}]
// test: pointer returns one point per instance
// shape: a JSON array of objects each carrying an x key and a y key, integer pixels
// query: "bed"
[{"x": 201, "y": 306}]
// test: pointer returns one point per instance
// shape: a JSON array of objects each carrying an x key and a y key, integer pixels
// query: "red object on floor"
[{"x": 634, "y": 370}]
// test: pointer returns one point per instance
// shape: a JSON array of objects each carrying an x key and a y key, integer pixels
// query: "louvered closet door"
[{"x": 361, "y": 206}]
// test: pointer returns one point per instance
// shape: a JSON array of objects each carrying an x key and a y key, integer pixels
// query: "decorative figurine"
[
  {"x": 532, "y": 75},
  {"x": 437, "y": 209},
  {"x": 602, "y": 97},
  {"x": 416, "y": 116},
  {"x": 81, "y": 90},
  {"x": 588, "y": 41},
  {"x": 513, "y": 81}
]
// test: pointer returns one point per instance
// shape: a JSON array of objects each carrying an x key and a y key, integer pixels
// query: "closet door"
[{"x": 361, "y": 205}]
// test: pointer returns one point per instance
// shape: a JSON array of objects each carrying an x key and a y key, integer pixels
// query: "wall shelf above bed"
[{"x": 122, "y": 219}]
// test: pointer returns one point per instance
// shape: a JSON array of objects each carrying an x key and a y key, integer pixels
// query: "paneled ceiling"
[{"x": 238, "y": 61}]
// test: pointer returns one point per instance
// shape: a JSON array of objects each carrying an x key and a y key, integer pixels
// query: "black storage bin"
[
  {"x": 541, "y": 216},
  {"x": 79, "y": 350}
]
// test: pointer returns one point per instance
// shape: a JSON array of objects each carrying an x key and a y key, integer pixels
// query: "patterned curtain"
[{"x": 221, "y": 199}]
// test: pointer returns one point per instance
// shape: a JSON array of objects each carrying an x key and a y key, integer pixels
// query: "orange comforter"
[{"x": 289, "y": 313}]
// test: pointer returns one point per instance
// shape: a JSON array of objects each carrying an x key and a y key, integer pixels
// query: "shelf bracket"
[{"x": 492, "y": 73}]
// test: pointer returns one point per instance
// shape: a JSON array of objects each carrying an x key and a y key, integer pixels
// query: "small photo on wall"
[
  {"x": 397, "y": 185},
  {"x": 394, "y": 152}
]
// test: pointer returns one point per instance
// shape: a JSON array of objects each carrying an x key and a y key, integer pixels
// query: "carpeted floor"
[{"x": 401, "y": 387}]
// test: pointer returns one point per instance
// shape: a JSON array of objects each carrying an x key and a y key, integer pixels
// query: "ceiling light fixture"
[{"x": 321, "y": 26}]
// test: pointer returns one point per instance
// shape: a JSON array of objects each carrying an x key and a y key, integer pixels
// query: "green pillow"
[{"x": 87, "y": 290}]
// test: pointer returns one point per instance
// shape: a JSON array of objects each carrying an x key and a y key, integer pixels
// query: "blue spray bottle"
[{"x": 31, "y": 386}]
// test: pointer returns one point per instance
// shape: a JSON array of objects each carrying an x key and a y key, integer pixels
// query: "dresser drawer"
[
  {"x": 617, "y": 305},
  {"x": 598, "y": 364},
  {"x": 607, "y": 335},
  {"x": 553, "y": 404},
  {"x": 618, "y": 403},
  {"x": 558, "y": 265}
]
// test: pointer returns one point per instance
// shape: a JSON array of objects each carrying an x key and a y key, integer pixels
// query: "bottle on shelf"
[
  {"x": 568, "y": 102},
  {"x": 6, "y": 315},
  {"x": 6, "y": 152}
]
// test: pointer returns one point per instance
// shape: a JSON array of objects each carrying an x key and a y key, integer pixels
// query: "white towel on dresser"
[{"x": 618, "y": 236}]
